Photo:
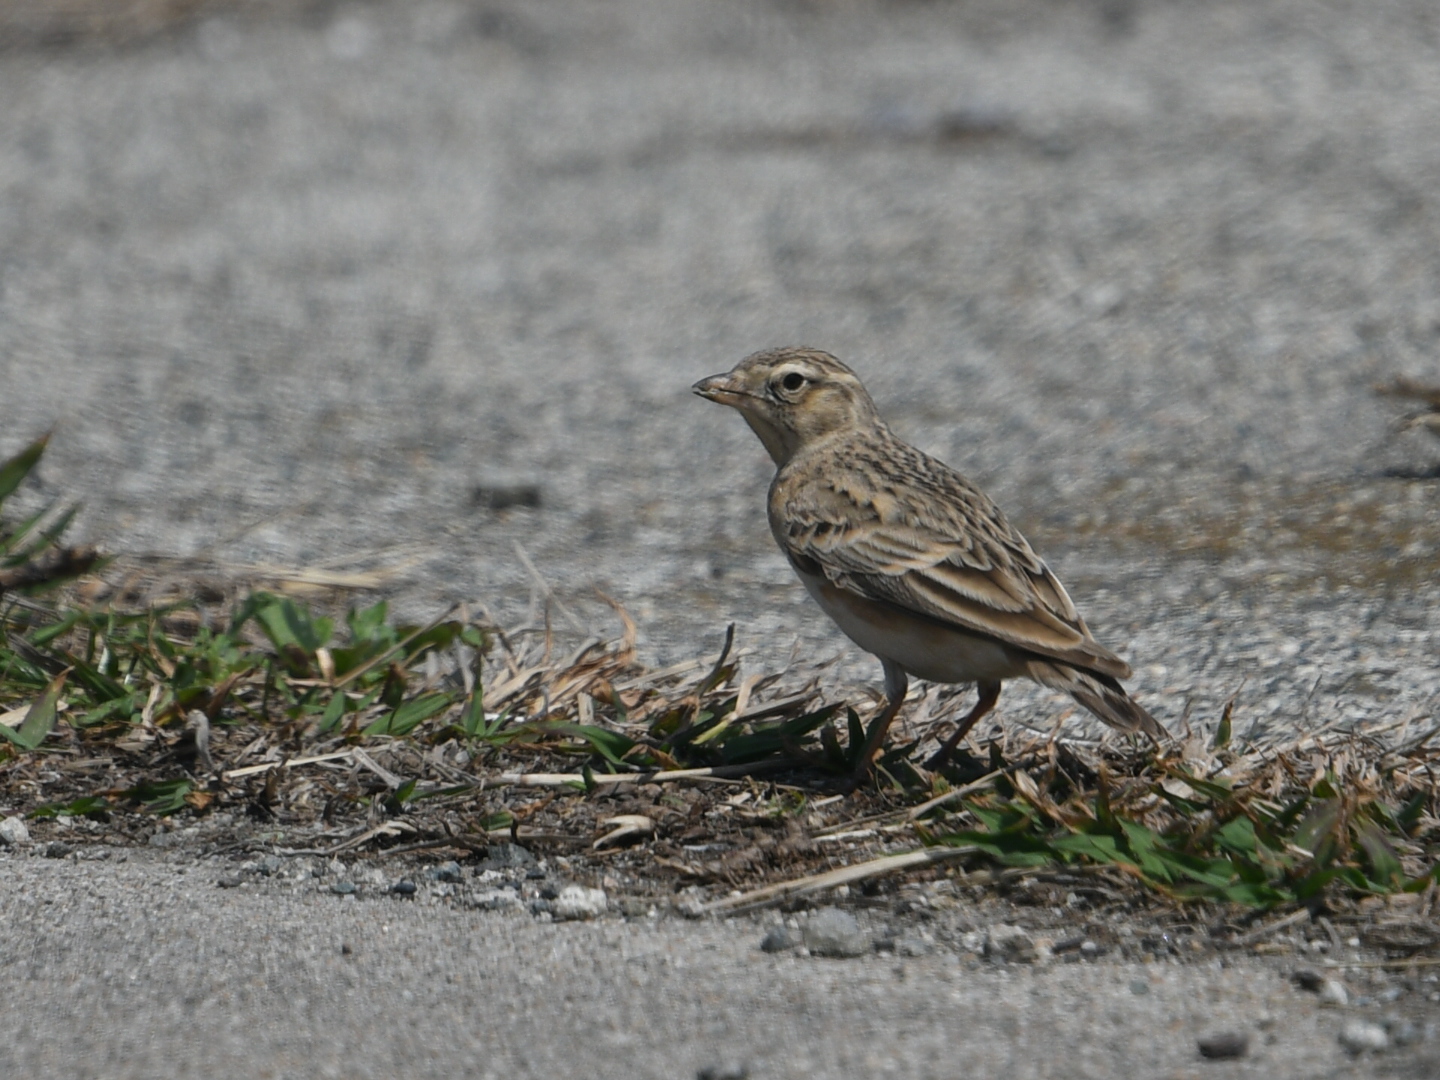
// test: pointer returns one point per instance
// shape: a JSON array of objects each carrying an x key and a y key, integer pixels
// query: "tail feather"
[{"x": 1101, "y": 694}]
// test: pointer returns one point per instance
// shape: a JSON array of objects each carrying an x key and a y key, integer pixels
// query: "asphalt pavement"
[{"x": 401, "y": 286}]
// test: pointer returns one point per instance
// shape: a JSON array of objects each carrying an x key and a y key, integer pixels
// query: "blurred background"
[{"x": 413, "y": 287}]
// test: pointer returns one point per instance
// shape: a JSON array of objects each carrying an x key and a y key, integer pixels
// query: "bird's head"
[{"x": 792, "y": 398}]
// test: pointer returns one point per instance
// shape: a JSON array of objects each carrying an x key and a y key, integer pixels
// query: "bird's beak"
[{"x": 720, "y": 389}]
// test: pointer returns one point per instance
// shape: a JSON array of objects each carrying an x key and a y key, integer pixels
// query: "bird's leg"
[
  {"x": 895, "y": 685},
  {"x": 989, "y": 694}
]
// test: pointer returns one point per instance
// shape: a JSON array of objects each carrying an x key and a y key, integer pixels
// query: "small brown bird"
[{"x": 913, "y": 562}]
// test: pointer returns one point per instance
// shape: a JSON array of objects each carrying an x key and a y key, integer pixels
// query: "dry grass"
[{"x": 146, "y": 692}]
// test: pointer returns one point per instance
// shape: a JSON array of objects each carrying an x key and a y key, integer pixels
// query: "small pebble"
[
  {"x": 1333, "y": 992},
  {"x": 1089, "y": 950},
  {"x": 835, "y": 933},
  {"x": 498, "y": 900},
  {"x": 230, "y": 881},
  {"x": 1358, "y": 1036},
  {"x": 13, "y": 831},
  {"x": 1012, "y": 944},
  {"x": 779, "y": 939},
  {"x": 403, "y": 887},
  {"x": 973, "y": 941},
  {"x": 505, "y": 496},
  {"x": 1139, "y": 987},
  {"x": 578, "y": 902},
  {"x": 343, "y": 888},
  {"x": 56, "y": 849},
  {"x": 1224, "y": 1044},
  {"x": 1404, "y": 1032},
  {"x": 506, "y": 857},
  {"x": 733, "y": 1070},
  {"x": 1306, "y": 979},
  {"x": 914, "y": 946},
  {"x": 270, "y": 865},
  {"x": 448, "y": 871}
]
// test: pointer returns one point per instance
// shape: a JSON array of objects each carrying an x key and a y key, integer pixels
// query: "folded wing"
[{"x": 910, "y": 531}]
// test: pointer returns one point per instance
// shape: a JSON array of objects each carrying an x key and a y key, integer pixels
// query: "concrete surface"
[{"x": 145, "y": 968}]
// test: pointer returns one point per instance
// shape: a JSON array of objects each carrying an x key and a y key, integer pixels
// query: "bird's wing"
[{"x": 899, "y": 527}]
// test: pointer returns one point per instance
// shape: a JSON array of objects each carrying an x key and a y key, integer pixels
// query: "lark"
[{"x": 913, "y": 562}]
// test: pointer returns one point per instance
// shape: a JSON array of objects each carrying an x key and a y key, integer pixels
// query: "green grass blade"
[
  {"x": 409, "y": 714},
  {"x": 40, "y": 719},
  {"x": 14, "y": 470}
]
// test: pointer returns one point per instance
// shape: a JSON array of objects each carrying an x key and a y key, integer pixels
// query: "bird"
[{"x": 912, "y": 561}]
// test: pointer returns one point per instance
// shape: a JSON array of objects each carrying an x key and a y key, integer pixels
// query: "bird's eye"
[{"x": 793, "y": 381}]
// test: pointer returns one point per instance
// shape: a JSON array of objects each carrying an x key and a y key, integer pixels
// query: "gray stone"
[
  {"x": 1360, "y": 1036},
  {"x": 506, "y": 856},
  {"x": 1224, "y": 1044},
  {"x": 343, "y": 888},
  {"x": 270, "y": 865},
  {"x": 731, "y": 1070},
  {"x": 578, "y": 902},
  {"x": 1403, "y": 1032},
  {"x": 1333, "y": 993},
  {"x": 835, "y": 933},
  {"x": 447, "y": 871},
  {"x": 1308, "y": 979},
  {"x": 780, "y": 939},
  {"x": 13, "y": 831},
  {"x": 1013, "y": 944},
  {"x": 911, "y": 945},
  {"x": 492, "y": 900}
]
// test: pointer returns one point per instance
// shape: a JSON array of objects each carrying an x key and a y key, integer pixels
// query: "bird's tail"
[{"x": 1101, "y": 694}]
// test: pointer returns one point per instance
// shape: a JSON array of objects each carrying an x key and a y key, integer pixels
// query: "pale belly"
[{"x": 924, "y": 649}]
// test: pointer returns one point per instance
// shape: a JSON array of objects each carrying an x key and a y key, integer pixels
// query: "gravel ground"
[
  {"x": 330, "y": 285},
  {"x": 282, "y": 971}
]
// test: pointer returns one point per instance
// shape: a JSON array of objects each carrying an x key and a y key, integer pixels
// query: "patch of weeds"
[
  {"x": 161, "y": 797},
  {"x": 31, "y": 555},
  {"x": 319, "y": 718},
  {"x": 90, "y": 806},
  {"x": 1194, "y": 839}
]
